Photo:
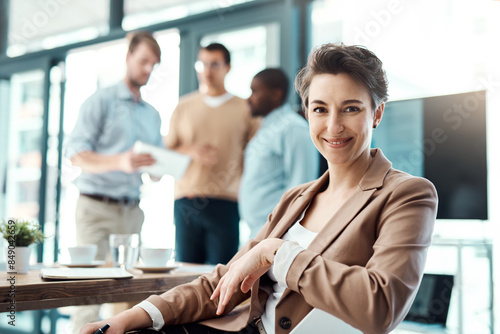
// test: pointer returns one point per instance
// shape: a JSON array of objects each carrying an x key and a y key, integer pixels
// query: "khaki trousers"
[{"x": 95, "y": 221}]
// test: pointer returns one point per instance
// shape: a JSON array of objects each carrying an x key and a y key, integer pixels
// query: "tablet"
[{"x": 320, "y": 322}]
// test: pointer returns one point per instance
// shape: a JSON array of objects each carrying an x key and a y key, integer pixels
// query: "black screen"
[
  {"x": 432, "y": 302},
  {"x": 441, "y": 138}
]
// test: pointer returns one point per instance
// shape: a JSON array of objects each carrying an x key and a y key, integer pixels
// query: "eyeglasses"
[{"x": 200, "y": 66}]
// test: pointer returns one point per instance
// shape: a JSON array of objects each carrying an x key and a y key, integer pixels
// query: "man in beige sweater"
[{"x": 212, "y": 127}]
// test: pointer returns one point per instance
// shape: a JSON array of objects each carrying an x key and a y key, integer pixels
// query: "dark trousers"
[
  {"x": 206, "y": 230},
  {"x": 194, "y": 328}
]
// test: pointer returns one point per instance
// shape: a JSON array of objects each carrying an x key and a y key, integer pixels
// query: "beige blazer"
[{"x": 363, "y": 267}]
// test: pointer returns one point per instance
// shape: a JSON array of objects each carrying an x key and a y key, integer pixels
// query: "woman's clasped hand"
[{"x": 246, "y": 270}]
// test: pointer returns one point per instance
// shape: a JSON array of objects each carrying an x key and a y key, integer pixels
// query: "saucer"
[
  {"x": 92, "y": 264},
  {"x": 154, "y": 269}
]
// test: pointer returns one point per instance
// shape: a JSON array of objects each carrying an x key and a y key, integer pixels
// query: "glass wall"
[
  {"x": 24, "y": 156},
  {"x": 252, "y": 49},
  {"x": 4, "y": 126},
  {"x": 21, "y": 157},
  {"x": 53, "y": 165},
  {"x": 428, "y": 48},
  {"x": 162, "y": 91}
]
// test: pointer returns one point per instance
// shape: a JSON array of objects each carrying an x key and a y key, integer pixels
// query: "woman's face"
[{"x": 341, "y": 118}]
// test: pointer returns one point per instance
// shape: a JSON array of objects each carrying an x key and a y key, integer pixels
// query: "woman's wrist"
[
  {"x": 271, "y": 247},
  {"x": 134, "y": 318}
]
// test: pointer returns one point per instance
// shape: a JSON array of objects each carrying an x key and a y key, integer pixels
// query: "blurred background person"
[
  {"x": 280, "y": 156},
  {"x": 213, "y": 127},
  {"x": 101, "y": 144}
]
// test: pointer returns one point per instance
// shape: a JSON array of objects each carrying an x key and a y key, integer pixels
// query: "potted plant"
[{"x": 19, "y": 234}]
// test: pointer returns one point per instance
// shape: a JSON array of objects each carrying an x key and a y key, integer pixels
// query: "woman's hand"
[
  {"x": 246, "y": 270},
  {"x": 134, "y": 318},
  {"x": 114, "y": 327}
]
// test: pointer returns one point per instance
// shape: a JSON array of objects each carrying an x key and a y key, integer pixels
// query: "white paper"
[
  {"x": 167, "y": 161},
  {"x": 203, "y": 268},
  {"x": 83, "y": 273}
]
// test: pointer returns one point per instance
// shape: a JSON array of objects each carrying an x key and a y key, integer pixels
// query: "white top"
[
  {"x": 296, "y": 239},
  {"x": 215, "y": 101}
]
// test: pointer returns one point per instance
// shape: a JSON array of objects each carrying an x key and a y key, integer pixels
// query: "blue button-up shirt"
[
  {"x": 281, "y": 155},
  {"x": 110, "y": 122}
]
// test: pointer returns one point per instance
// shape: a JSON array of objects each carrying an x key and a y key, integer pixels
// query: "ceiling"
[{"x": 35, "y": 19}]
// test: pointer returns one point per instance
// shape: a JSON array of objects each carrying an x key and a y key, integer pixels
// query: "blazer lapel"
[
  {"x": 340, "y": 220},
  {"x": 296, "y": 208},
  {"x": 371, "y": 181}
]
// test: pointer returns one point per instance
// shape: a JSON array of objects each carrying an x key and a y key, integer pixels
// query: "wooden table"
[{"x": 30, "y": 292}]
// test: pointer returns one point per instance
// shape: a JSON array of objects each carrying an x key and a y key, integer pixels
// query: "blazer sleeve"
[
  {"x": 191, "y": 302},
  {"x": 376, "y": 296}
]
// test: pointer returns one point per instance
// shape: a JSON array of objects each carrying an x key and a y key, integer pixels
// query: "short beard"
[{"x": 136, "y": 83}]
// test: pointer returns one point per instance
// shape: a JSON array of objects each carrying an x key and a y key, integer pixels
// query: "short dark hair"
[
  {"x": 139, "y": 37},
  {"x": 358, "y": 62},
  {"x": 275, "y": 78},
  {"x": 218, "y": 47}
]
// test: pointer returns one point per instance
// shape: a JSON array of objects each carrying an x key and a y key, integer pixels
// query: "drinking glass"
[{"x": 124, "y": 249}]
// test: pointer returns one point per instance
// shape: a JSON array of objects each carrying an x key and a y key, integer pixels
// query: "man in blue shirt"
[
  {"x": 281, "y": 155},
  {"x": 101, "y": 144}
]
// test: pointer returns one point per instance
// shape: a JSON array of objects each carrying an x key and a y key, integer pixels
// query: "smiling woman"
[
  {"x": 340, "y": 124},
  {"x": 359, "y": 232}
]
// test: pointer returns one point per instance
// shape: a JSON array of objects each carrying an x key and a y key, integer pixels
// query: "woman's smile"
[{"x": 338, "y": 142}]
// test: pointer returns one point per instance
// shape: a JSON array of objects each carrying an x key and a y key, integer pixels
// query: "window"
[
  {"x": 252, "y": 50},
  {"x": 23, "y": 154},
  {"x": 428, "y": 48}
]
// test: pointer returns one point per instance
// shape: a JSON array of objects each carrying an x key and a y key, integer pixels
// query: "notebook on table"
[{"x": 83, "y": 273}]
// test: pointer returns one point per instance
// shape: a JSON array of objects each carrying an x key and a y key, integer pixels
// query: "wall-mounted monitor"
[{"x": 441, "y": 138}]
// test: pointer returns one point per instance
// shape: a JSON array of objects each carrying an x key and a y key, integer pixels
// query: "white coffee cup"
[
  {"x": 156, "y": 257},
  {"x": 83, "y": 254}
]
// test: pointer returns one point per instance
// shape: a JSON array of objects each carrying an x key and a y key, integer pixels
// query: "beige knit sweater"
[{"x": 227, "y": 127}]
